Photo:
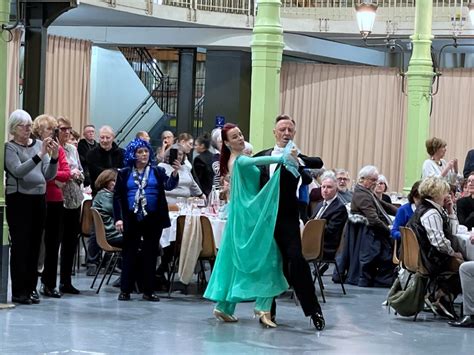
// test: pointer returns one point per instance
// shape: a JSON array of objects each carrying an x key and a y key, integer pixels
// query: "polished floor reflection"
[{"x": 355, "y": 324}]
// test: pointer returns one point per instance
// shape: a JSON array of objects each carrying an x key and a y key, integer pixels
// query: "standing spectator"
[
  {"x": 84, "y": 146},
  {"x": 43, "y": 127},
  {"x": 29, "y": 163},
  {"x": 73, "y": 196},
  {"x": 107, "y": 155},
  {"x": 74, "y": 138},
  {"x": 343, "y": 179},
  {"x": 202, "y": 164},
  {"x": 141, "y": 213},
  {"x": 436, "y": 165},
  {"x": 143, "y": 135},
  {"x": 469, "y": 163}
]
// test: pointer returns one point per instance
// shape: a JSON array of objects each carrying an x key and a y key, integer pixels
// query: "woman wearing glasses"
[{"x": 29, "y": 163}]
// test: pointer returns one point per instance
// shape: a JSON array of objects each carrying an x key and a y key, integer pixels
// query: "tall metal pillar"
[
  {"x": 267, "y": 51},
  {"x": 38, "y": 16},
  {"x": 420, "y": 77},
  {"x": 4, "y": 249},
  {"x": 186, "y": 90}
]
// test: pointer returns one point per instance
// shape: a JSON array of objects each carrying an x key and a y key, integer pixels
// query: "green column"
[
  {"x": 420, "y": 75},
  {"x": 4, "y": 18},
  {"x": 267, "y": 49}
]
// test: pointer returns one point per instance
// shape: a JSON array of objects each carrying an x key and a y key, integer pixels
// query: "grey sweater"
[{"x": 26, "y": 172}]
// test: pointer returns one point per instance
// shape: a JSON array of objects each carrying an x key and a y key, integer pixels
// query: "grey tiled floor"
[{"x": 99, "y": 324}]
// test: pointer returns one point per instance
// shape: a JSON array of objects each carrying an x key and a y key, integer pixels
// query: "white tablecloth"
[
  {"x": 169, "y": 234},
  {"x": 466, "y": 246}
]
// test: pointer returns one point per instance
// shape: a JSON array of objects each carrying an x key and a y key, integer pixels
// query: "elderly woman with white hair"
[
  {"x": 380, "y": 188},
  {"x": 29, "y": 164}
]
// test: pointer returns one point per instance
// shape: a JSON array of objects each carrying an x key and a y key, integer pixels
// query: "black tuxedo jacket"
[
  {"x": 336, "y": 217},
  {"x": 288, "y": 212}
]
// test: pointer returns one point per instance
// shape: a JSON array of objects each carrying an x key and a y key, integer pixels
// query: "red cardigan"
[{"x": 53, "y": 192}]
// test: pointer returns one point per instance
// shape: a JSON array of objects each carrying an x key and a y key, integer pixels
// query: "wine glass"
[{"x": 180, "y": 202}]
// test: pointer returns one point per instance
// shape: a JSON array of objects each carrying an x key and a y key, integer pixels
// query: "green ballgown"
[{"x": 249, "y": 264}]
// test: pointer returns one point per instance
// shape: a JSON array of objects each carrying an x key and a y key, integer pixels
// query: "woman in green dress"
[{"x": 249, "y": 264}]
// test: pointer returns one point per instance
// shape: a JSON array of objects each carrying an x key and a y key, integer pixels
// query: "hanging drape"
[
  {"x": 350, "y": 116},
  {"x": 452, "y": 109},
  {"x": 68, "y": 63},
  {"x": 13, "y": 74}
]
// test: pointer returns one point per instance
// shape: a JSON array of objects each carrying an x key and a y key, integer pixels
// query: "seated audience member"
[
  {"x": 187, "y": 186},
  {"x": 104, "y": 204},
  {"x": 333, "y": 211},
  {"x": 315, "y": 188},
  {"x": 435, "y": 224},
  {"x": 466, "y": 272},
  {"x": 376, "y": 266},
  {"x": 380, "y": 188},
  {"x": 436, "y": 165},
  {"x": 405, "y": 212},
  {"x": 143, "y": 135},
  {"x": 468, "y": 164},
  {"x": 167, "y": 140},
  {"x": 187, "y": 143},
  {"x": 343, "y": 179},
  {"x": 465, "y": 205},
  {"x": 202, "y": 164}
]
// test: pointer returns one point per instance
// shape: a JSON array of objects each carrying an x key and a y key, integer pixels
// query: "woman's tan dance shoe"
[
  {"x": 228, "y": 318},
  {"x": 265, "y": 319}
]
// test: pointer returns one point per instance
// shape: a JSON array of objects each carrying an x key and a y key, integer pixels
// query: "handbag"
[{"x": 72, "y": 194}]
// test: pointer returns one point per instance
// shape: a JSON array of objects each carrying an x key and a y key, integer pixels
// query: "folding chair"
[
  {"x": 86, "y": 224},
  {"x": 209, "y": 250}
]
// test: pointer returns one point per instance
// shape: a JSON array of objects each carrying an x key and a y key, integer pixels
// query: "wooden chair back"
[
  {"x": 100, "y": 232},
  {"x": 173, "y": 208},
  {"x": 209, "y": 249},
  {"x": 312, "y": 239},
  {"x": 395, "y": 259},
  {"x": 410, "y": 255},
  {"x": 86, "y": 218}
]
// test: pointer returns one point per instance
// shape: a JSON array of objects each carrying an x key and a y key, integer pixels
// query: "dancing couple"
[{"x": 261, "y": 242}]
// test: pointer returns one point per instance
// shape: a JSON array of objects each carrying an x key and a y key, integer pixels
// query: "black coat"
[
  {"x": 121, "y": 207},
  {"x": 336, "y": 218},
  {"x": 99, "y": 159},
  {"x": 203, "y": 172}
]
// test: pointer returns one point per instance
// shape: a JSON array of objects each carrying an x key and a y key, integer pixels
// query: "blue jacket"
[
  {"x": 121, "y": 202},
  {"x": 402, "y": 217}
]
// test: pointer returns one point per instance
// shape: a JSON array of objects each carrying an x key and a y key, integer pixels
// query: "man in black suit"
[
  {"x": 202, "y": 164},
  {"x": 287, "y": 229},
  {"x": 334, "y": 212}
]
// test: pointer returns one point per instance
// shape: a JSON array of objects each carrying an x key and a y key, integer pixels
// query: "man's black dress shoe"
[
  {"x": 151, "y": 297},
  {"x": 22, "y": 300},
  {"x": 124, "y": 296},
  {"x": 466, "y": 322},
  {"x": 318, "y": 321},
  {"x": 69, "y": 289},
  {"x": 48, "y": 292}
]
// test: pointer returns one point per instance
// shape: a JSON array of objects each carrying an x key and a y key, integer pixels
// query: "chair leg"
[
  {"x": 98, "y": 269},
  {"x": 107, "y": 269},
  {"x": 86, "y": 254},
  {"x": 340, "y": 278},
  {"x": 117, "y": 257},
  {"x": 172, "y": 276},
  {"x": 321, "y": 287}
]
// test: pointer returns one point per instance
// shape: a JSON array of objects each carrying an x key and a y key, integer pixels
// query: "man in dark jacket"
[
  {"x": 107, "y": 155},
  {"x": 85, "y": 145},
  {"x": 287, "y": 230},
  {"x": 376, "y": 247}
]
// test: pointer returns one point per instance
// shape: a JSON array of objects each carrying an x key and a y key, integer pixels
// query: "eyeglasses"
[
  {"x": 373, "y": 179},
  {"x": 342, "y": 179},
  {"x": 380, "y": 183},
  {"x": 27, "y": 126},
  {"x": 65, "y": 129}
]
